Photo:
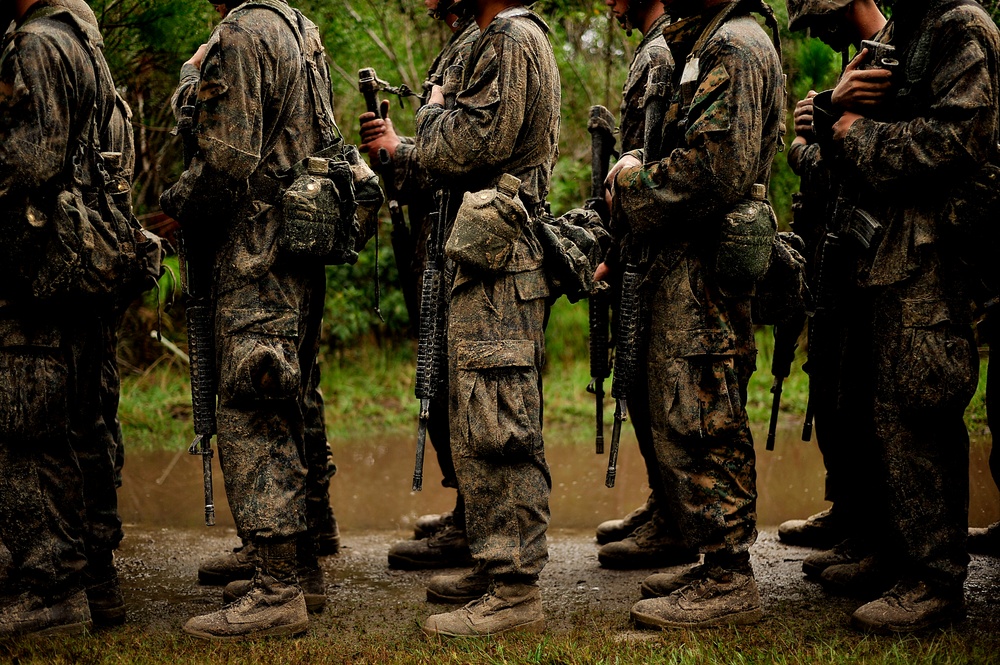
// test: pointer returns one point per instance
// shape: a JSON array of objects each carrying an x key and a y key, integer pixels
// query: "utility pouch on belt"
[
  {"x": 745, "y": 241},
  {"x": 319, "y": 212},
  {"x": 487, "y": 226}
]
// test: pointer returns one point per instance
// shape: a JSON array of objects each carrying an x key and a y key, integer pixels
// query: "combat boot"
[
  {"x": 274, "y": 605},
  {"x": 312, "y": 582},
  {"x": 646, "y": 547},
  {"x": 29, "y": 614},
  {"x": 460, "y": 588},
  {"x": 659, "y": 585},
  {"x": 985, "y": 540},
  {"x": 851, "y": 550},
  {"x": 236, "y": 565},
  {"x": 104, "y": 594},
  {"x": 910, "y": 606},
  {"x": 326, "y": 536},
  {"x": 614, "y": 530},
  {"x": 870, "y": 577},
  {"x": 822, "y": 530},
  {"x": 504, "y": 608},
  {"x": 428, "y": 525},
  {"x": 720, "y": 598},
  {"x": 448, "y": 548}
]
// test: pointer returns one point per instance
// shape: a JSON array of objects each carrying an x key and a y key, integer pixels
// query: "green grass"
[{"x": 369, "y": 389}]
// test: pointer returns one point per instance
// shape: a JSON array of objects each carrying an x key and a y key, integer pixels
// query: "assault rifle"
[
  {"x": 629, "y": 315},
  {"x": 601, "y": 126},
  {"x": 196, "y": 270},
  {"x": 786, "y": 336}
]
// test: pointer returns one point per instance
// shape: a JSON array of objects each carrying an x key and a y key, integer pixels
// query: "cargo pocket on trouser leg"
[
  {"x": 258, "y": 357},
  {"x": 937, "y": 359},
  {"x": 33, "y": 394},
  {"x": 704, "y": 397},
  {"x": 498, "y": 392}
]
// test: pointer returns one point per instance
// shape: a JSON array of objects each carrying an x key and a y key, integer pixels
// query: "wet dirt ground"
[{"x": 165, "y": 540}]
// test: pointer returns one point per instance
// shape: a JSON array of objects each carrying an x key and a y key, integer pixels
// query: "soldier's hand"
[
  {"x": 627, "y": 161},
  {"x": 804, "y": 117},
  {"x": 860, "y": 89},
  {"x": 377, "y": 132},
  {"x": 436, "y": 96},
  {"x": 843, "y": 125},
  {"x": 602, "y": 272},
  {"x": 198, "y": 57}
]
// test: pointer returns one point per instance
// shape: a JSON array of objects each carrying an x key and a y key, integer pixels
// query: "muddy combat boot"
[
  {"x": 659, "y": 585},
  {"x": 427, "y": 525},
  {"x": 985, "y": 540},
  {"x": 326, "y": 536},
  {"x": 236, "y": 565},
  {"x": 614, "y": 530},
  {"x": 822, "y": 530},
  {"x": 720, "y": 598},
  {"x": 312, "y": 582},
  {"x": 646, "y": 547},
  {"x": 274, "y": 605},
  {"x": 870, "y": 577},
  {"x": 848, "y": 551},
  {"x": 908, "y": 607},
  {"x": 104, "y": 594},
  {"x": 28, "y": 614},
  {"x": 458, "y": 589},
  {"x": 504, "y": 608},
  {"x": 448, "y": 548}
]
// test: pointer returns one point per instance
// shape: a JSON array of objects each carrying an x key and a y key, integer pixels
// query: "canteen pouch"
[
  {"x": 745, "y": 242},
  {"x": 320, "y": 212},
  {"x": 487, "y": 226}
]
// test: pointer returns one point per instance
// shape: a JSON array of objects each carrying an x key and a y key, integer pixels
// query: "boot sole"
[
  {"x": 452, "y": 600},
  {"x": 78, "y": 628},
  {"x": 276, "y": 631},
  {"x": 536, "y": 626},
  {"x": 640, "y": 563},
  {"x": 895, "y": 629},
  {"x": 736, "y": 619},
  {"x": 114, "y": 616}
]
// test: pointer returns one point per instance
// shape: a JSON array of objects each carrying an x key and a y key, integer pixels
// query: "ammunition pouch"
[
  {"x": 487, "y": 227},
  {"x": 783, "y": 293},
  {"x": 574, "y": 245},
  {"x": 322, "y": 214},
  {"x": 746, "y": 237}
]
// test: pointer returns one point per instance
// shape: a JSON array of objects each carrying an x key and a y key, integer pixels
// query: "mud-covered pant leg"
[
  {"x": 496, "y": 352},
  {"x": 319, "y": 460},
  {"x": 261, "y": 333},
  {"x": 41, "y": 486},
  {"x": 927, "y": 372},
  {"x": 639, "y": 414},
  {"x": 845, "y": 428},
  {"x": 96, "y": 444}
]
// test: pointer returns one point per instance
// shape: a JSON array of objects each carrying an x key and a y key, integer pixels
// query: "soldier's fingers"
[
  {"x": 384, "y": 109},
  {"x": 858, "y": 59}
]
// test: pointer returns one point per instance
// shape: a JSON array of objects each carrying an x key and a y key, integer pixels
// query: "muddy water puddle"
[{"x": 371, "y": 491}]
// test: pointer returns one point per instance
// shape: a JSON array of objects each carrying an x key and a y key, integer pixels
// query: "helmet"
[{"x": 801, "y": 13}]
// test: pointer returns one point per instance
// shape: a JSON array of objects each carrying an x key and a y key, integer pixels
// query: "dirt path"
[{"x": 159, "y": 572}]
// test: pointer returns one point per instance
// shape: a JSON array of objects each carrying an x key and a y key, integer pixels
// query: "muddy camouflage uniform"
[
  {"x": 416, "y": 189},
  {"x": 51, "y": 353},
  {"x": 506, "y": 121},
  {"x": 699, "y": 341},
  {"x": 255, "y": 119},
  {"x": 942, "y": 123},
  {"x": 320, "y": 468}
]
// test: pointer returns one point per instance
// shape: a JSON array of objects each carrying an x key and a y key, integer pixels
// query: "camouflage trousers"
[
  {"x": 266, "y": 334},
  {"x": 699, "y": 356},
  {"x": 51, "y": 377},
  {"x": 926, "y": 369},
  {"x": 496, "y": 349}
]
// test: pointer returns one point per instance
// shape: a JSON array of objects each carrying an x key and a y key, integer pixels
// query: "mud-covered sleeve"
[
  {"x": 37, "y": 94},
  {"x": 230, "y": 127},
  {"x": 803, "y": 159},
  {"x": 957, "y": 131},
  {"x": 718, "y": 158},
  {"x": 482, "y": 131},
  {"x": 186, "y": 93},
  {"x": 409, "y": 176}
]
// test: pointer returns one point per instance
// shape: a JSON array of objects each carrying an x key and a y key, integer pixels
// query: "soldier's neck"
[
  {"x": 487, "y": 10},
  {"x": 654, "y": 11},
  {"x": 21, "y": 8},
  {"x": 866, "y": 17}
]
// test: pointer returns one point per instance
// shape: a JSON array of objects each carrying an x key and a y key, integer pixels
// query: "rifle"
[
  {"x": 196, "y": 270},
  {"x": 629, "y": 315},
  {"x": 786, "y": 336},
  {"x": 602, "y": 144}
]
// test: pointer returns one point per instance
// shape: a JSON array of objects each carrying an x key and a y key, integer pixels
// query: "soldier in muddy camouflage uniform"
[
  {"x": 506, "y": 120},
  {"x": 839, "y": 343},
  {"x": 724, "y": 124},
  {"x": 56, "y": 94},
  {"x": 939, "y": 126},
  {"x": 439, "y": 540},
  {"x": 255, "y": 119},
  {"x": 320, "y": 519},
  {"x": 643, "y": 539}
]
